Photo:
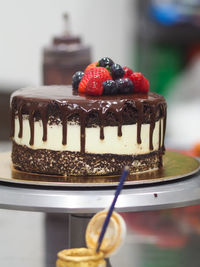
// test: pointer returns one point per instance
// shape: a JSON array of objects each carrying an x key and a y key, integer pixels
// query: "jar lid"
[{"x": 114, "y": 236}]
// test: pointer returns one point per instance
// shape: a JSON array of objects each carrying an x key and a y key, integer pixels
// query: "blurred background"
[{"x": 45, "y": 42}]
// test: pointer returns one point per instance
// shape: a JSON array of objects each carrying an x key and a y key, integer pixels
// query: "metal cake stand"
[{"x": 68, "y": 208}]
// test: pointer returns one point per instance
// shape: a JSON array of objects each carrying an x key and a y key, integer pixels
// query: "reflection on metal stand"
[
  {"x": 56, "y": 236},
  {"x": 77, "y": 227}
]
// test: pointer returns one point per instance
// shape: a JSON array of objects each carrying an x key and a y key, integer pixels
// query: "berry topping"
[
  {"x": 125, "y": 86},
  {"x": 76, "y": 78},
  {"x": 108, "y": 78},
  {"x": 105, "y": 62},
  {"x": 92, "y": 78},
  {"x": 127, "y": 71},
  {"x": 94, "y": 87},
  {"x": 141, "y": 84},
  {"x": 91, "y": 66},
  {"x": 110, "y": 88},
  {"x": 116, "y": 71}
]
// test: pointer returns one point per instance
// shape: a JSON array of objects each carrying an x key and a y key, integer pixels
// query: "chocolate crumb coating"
[{"x": 78, "y": 164}]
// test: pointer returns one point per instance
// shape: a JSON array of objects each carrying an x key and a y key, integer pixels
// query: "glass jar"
[{"x": 80, "y": 257}]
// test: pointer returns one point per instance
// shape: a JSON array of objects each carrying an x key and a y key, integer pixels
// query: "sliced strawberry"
[
  {"x": 127, "y": 71},
  {"x": 141, "y": 84},
  {"x": 99, "y": 72},
  {"x": 91, "y": 66}
]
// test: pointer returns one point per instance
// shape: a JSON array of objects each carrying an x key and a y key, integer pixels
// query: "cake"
[{"x": 68, "y": 131}]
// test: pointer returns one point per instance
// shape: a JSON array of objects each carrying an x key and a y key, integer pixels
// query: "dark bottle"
[{"x": 64, "y": 57}]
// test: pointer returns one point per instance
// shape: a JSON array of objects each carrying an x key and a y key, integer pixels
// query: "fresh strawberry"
[
  {"x": 141, "y": 84},
  {"x": 94, "y": 87},
  {"x": 86, "y": 77},
  {"x": 127, "y": 71},
  {"x": 100, "y": 72},
  {"x": 91, "y": 66}
]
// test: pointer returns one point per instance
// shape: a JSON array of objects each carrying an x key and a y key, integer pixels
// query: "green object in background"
[
  {"x": 153, "y": 256},
  {"x": 160, "y": 64}
]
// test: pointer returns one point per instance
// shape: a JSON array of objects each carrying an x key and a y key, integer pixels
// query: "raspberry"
[
  {"x": 94, "y": 79},
  {"x": 91, "y": 66},
  {"x": 128, "y": 72},
  {"x": 145, "y": 87},
  {"x": 141, "y": 84}
]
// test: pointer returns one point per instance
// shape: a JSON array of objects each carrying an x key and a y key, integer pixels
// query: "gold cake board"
[{"x": 175, "y": 166}]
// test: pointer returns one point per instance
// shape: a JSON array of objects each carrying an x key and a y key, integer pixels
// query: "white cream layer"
[{"x": 112, "y": 143}]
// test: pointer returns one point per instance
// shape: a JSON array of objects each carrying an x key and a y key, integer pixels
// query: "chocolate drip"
[
  {"x": 159, "y": 134},
  {"x": 64, "y": 131},
  {"x": 64, "y": 126},
  {"x": 119, "y": 130},
  {"x": 12, "y": 127},
  {"x": 152, "y": 126},
  {"x": 101, "y": 118},
  {"x": 19, "y": 109},
  {"x": 43, "y": 113},
  {"x": 101, "y": 132},
  {"x": 120, "y": 122},
  {"x": 164, "y": 126},
  {"x": 31, "y": 123},
  {"x": 82, "y": 122},
  {"x": 40, "y": 103},
  {"x": 139, "y": 107}
]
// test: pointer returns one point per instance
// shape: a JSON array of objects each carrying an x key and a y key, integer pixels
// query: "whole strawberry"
[
  {"x": 95, "y": 78},
  {"x": 94, "y": 87},
  {"x": 85, "y": 79},
  {"x": 141, "y": 84},
  {"x": 98, "y": 72}
]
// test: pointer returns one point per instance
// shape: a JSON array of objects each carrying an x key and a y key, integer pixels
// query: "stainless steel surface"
[
  {"x": 86, "y": 200},
  {"x": 175, "y": 166}
]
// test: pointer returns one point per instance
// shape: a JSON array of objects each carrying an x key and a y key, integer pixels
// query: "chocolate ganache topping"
[{"x": 61, "y": 102}]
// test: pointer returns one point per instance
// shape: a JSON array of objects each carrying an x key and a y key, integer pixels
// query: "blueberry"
[
  {"x": 105, "y": 62},
  {"x": 125, "y": 86},
  {"x": 110, "y": 87},
  {"x": 76, "y": 78},
  {"x": 116, "y": 71}
]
